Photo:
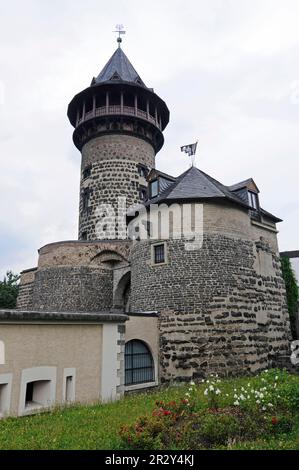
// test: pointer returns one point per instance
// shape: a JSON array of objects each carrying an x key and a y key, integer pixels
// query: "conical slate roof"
[{"x": 118, "y": 68}]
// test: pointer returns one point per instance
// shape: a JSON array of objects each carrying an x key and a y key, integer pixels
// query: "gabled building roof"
[
  {"x": 194, "y": 184},
  {"x": 249, "y": 184},
  {"x": 118, "y": 68}
]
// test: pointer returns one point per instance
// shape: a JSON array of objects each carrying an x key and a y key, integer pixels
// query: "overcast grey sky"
[{"x": 228, "y": 70}]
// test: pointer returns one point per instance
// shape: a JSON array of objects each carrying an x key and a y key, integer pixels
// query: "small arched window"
[{"x": 139, "y": 364}]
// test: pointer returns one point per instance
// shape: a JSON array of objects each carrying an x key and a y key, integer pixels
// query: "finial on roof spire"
[{"x": 119, "y": 28}]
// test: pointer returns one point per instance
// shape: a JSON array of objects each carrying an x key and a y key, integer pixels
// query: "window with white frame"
[{"x": 159, "y": 254}]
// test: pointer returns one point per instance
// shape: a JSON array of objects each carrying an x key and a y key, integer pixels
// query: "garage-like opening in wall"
[
  {"x": 38, "y": 394},
  {"x": 139, "y": 363}
]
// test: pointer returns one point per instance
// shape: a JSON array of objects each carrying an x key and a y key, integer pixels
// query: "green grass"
[{"x": 97, "y": 426}]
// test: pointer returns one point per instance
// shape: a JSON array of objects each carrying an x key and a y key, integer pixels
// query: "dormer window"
[
  {"x": 154, "y": 189},
  {"x": 115, "y": 76},
  {"x": 253, "y": 200}
]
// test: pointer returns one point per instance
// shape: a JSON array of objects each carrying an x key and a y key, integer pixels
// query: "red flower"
[
  {"x": 166, "y": 413},
  {"x": 185, "y": 401},
  {"x": 274, "y": 420}
]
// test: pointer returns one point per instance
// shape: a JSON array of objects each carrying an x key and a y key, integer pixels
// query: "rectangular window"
[
  {"x": 142, "y": 171},
  {"x": 253, "y": 200},
  {"x": 142, "y": 194},
  {"x": 87, "y": 172},
  {"x": 159, "y": 254},
  {"x": 154, "y": 188},
  {"x": 85, "y": 200}
]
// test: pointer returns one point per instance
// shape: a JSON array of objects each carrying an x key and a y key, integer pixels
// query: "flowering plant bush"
[{"x": 219, "y": 413}]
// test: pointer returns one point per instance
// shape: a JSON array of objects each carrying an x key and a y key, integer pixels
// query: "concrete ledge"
[
  {"x": 22, "y": 316},
  {"x": 144, "y": 314}
]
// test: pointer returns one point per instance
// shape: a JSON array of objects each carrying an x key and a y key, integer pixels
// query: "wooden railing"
[{"x": 117, "y": 109}]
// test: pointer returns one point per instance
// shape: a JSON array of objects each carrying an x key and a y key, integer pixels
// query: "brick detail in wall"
[
  {"x": 222, "y": 308},
  {"x": 113, "y": 162}
]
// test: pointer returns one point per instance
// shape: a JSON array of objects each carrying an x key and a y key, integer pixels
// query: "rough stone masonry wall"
[
  {"x": 113, "y": 162},
  {"x": 73, "y": 289},
  {"x": 222, "y": 308},
  {"x": 24, "y": 300}
]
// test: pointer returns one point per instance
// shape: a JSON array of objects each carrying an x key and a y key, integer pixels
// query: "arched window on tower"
[{"x": 139, "y": 364}]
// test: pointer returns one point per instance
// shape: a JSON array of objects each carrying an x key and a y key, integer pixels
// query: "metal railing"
[{"x": 117, "y": 109}]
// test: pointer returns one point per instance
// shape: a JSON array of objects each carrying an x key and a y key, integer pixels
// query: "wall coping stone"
[{"x": 22, "y": 316}]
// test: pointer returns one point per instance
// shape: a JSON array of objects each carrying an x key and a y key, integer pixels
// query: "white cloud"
[{"x": 227, "y": 69}]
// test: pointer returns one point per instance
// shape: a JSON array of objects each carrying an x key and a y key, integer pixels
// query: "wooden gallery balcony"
[{"x": 119, "y": 111}]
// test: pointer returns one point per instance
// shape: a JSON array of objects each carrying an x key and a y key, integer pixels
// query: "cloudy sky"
[{"x": 228, "y": 70}]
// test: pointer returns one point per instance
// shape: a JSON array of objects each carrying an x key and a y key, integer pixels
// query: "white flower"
[
  {"x": 236, "y": 403},
  {"x": 264, "y": 408},
  {"x": 206, "y": 391},
  {"x": 270, "y": 405},
  {"x": 208, "y": 381},
  {"x": 218, "y": 391},
  {"x": 235, "y": 395},
  {"x": 242, "y": 397},
  {"x": 187, "y": 394},
  {"x": 276, "y": 377},
  {"x": 243, "y": 389},
  {"x": 203, "y": 381},
  {"x": 192, "y": 383},
  {"x": 211, "y": 388},
  {"x": 258, "y": 402}
]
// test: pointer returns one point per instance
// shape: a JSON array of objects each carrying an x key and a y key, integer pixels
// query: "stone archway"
[
  {"x": 122, "y": 290},
  {"x": 108, "y": 259}
]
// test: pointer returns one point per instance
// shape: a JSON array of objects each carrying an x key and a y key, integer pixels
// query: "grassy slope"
[{"x": 97, "y": 426}]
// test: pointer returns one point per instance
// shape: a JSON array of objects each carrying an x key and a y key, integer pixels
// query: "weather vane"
[{"x": 119, "y": 28}]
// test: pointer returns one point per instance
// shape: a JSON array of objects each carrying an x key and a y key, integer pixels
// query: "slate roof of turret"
[{"x": 118, "y": 68}]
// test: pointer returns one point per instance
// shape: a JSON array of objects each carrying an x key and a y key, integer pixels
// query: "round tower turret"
[{"x": 119, "y": 125}]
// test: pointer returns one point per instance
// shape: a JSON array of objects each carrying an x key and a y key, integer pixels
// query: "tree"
[
  {"x": 9, "y": 288},
  {"x": 292, "y": 292}
]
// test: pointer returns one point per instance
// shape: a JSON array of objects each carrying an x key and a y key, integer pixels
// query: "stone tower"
[{"x": 118, "y": 125}]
